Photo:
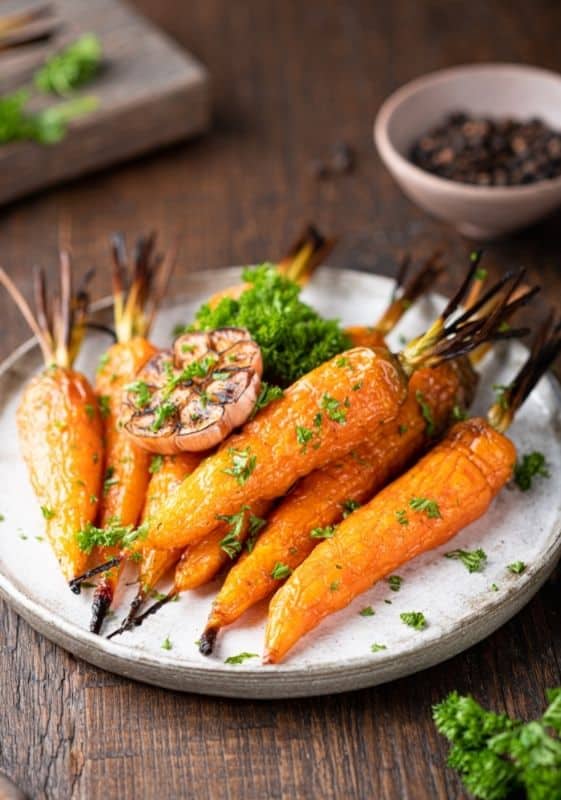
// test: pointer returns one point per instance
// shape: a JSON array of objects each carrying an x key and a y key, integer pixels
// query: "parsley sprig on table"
[
  {"x": 498, "y": 757},
  {"x": 67, "y": 70}
]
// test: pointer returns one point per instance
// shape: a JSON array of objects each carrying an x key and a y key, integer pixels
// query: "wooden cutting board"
[{"x": 150, "y": 92}]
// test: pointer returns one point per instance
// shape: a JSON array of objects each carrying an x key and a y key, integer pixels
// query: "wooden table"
[{"x": 290, "y": 79}]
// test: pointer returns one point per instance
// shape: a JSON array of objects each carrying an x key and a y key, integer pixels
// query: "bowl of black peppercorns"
[{"x": 478, "y": 146}]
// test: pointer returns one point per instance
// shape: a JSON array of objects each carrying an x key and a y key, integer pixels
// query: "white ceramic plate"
[{"x": 460, "y": 608}]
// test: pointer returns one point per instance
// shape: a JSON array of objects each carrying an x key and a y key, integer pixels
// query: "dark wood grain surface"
[{"x": 289, "y": 80}]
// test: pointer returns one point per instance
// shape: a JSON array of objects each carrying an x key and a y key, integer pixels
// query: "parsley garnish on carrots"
[
  {"x": 497, "y": 756},
  {"x": 293, "y": 337},
  {"x": 104, "y": 402},
  {"x": 426, "y": 411},
  {"x": 281, "y": 571},
  {"x": 349, "y": 506},
  {"x": 334, "y": 409},
  {"x": 113, "y": 534},
  {"x": 428, "y": 507},
  {"x": 155, "y": 464},
  {"x": 267, "y": 394},
  {"x": 473, "y": 560},
  {"x": 328, "y": 532},
  {"x": 243, "y": 464},
  {"x": 303, "y": 436},
  {"x": 533, "y": 465},
  {"x": 402, "y": 517}
]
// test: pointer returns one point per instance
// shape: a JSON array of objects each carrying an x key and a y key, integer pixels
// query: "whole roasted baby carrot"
[
  {"x": 320, "y": 418},
  {"x": 446, "y": 490},
  {"x": 320, "y": 500},
  {"x": 202, "y": 561},
  {"x": 126, "y": 466},
  {"x": 58, "y": 422},
  {"x": 167, "y": 473}
]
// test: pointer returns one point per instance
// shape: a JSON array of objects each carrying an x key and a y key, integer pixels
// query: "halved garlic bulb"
[{"x": 192, "y": 396}]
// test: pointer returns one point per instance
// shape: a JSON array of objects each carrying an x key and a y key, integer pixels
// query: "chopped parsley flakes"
[
  {"x": 473, "y": 560},
  {"x": 533, "y": 465},
  {"x": 334, "y": 409},
  {"x": 113, "y": 534},
  {"x": 328, "y": 532},
  {"x": 376, "y": 648},
  {"x": 303, "y": 436},
  {"x": 281, "y": 571},
  {"x": 429, "y": 507},
  {"x": 367, "y": 611},
  {"x": 47, "y": 512},
  {"x": 243, "y": 464},
  {"x": 517, "y": 567},
  {"x": 141, "y": 390},
  {"x": 426, "y": 412},
  {"x": 415, "y": 619},
  {"x": 349, "y": 506},
  {"x": 402, "y": 517},
  {"x": 162, "y": 413},
  {"x": 166, "y": 644},
  {"x": 395, "y": 582},
  {"x": 155, "y": 464},
  {"x": 240, "y": 658},
  {"x": 267, "y": 394}
]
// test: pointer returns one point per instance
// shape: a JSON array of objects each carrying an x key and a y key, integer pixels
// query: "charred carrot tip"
[
  {"x": 207, "y": 640},
  {"x": 76, "y": 583},
  {"x": 103, "y": 597},
  {"x": 130, "y": 619},
  {"x": 136, "y": 622}
]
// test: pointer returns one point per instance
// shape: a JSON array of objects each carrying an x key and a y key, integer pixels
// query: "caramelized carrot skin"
[
  {"x": 273, "y": 454},
  {"x": 174, "y": 469},
  {"x": 126, "y": 465},
  {"x": 61, "y": 440},
  {"x": 462, "y": 475},
  {"x": 318, "y": 500},
  {"x": 203, "y": 560}
]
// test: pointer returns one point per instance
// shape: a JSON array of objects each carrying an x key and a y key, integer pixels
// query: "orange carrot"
[
  {"x": 58, "y": 423},
  {"x": 323, "y": 498},
  {"x": 320, "y": 418},
  {"x": 446, "y": 490},
  {"x": 126, "y": 465}
]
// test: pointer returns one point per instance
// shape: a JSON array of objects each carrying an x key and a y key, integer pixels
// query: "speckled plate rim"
[{"x": 286, "y": 680}]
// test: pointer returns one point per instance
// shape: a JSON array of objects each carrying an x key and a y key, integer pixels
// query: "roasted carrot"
[
  {"x": 321, "y": 499},
  {"x": 202, "y": 561},
  {"x": 58, "y": 423},
  {"x": 126, "y": 465},
  {"x": 452, "y": 486},
  {"x": 167, "y": 474},
  {"x": 210, "y": 552},
  {"x": 320, "y": 418}
]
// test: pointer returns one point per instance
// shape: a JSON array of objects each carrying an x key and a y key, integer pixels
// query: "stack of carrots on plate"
[{"x": 187, "y": 460}]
